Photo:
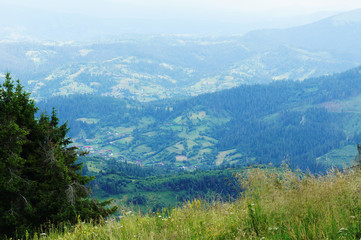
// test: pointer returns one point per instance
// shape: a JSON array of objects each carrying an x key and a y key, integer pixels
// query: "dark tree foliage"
[
  {"x": 137, "y": 182},
  {"x": 40, "y": 179}
]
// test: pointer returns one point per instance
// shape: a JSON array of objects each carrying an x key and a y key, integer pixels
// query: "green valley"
[{"x": 302, "y": 123}]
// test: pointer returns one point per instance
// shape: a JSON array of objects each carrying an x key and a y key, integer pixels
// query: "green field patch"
[
  {"x": 112, "y": 148},
  {"x": 92, "y": 167},
  {"x": 145, "y": 121},
  {"x": 124, "y": 130},
  {"x": 142, "y": 149},
  {"x": 223, "y": 155},
  {"x": 183, "y": 134},
  {"x": 181, "y": 158},
  {"x": 149, "y": 153},
  {"x": 205, "y": 150},
  {"x": 341, "y": 157},
  {"x": 178, "y": 120},
  {"x": 176, "y": 148},
  {"x": 197, "y": 115},
  {"x": 191, "y": 144},
  {"x": 272, "y": 118},
  {"x": 233, "y": 162},
  {"x": 202, "y": 128},
  {"x": 176, "y": 127},
  {"x": 236, "y": 156},
  {"x": 192, "y": 135},
  {"x": 126, "y": 140},
  {"x": 88, "y": 120},
  {"x": 206, "y": 144},
  {"x": 150, "y": 134},
  {"x": 209, "y": 139}
]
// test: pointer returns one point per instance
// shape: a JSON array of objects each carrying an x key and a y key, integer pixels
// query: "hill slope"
[{"x": 304, "y": 123}]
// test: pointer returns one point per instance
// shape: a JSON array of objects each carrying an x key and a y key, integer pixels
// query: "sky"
[
  {"x": 33, "y": 17},
  {"x": 185, "y": 8}
]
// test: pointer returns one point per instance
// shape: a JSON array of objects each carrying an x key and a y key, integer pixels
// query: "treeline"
[{"x": 139, "y": 184}]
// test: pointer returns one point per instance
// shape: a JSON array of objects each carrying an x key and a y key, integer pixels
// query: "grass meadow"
[{"x": 276, "y": 204}]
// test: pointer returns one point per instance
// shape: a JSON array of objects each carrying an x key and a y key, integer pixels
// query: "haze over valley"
[{"x": 172, "y": 102}]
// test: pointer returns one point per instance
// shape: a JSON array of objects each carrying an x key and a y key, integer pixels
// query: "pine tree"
[{"x": 40, "y": 179}]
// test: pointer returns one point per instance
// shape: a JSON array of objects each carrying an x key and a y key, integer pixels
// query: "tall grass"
[{"x": 276, "y": 204}]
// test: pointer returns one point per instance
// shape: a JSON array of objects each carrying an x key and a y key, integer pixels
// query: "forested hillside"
[{"x": 302, "y": 123}]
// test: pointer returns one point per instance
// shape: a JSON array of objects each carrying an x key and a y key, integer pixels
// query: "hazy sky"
[
  {"x": 185, "y": 8},
  {"x": 53, "y": 19}
]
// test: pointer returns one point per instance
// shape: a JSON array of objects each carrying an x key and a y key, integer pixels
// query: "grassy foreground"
[{"x": 277, "y": 204}]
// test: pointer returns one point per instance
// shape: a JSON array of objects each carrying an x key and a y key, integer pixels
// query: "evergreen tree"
[{"x": 40, "y": 179}]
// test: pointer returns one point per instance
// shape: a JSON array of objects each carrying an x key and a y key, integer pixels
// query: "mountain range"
[{"x": 153, "y": 67}]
